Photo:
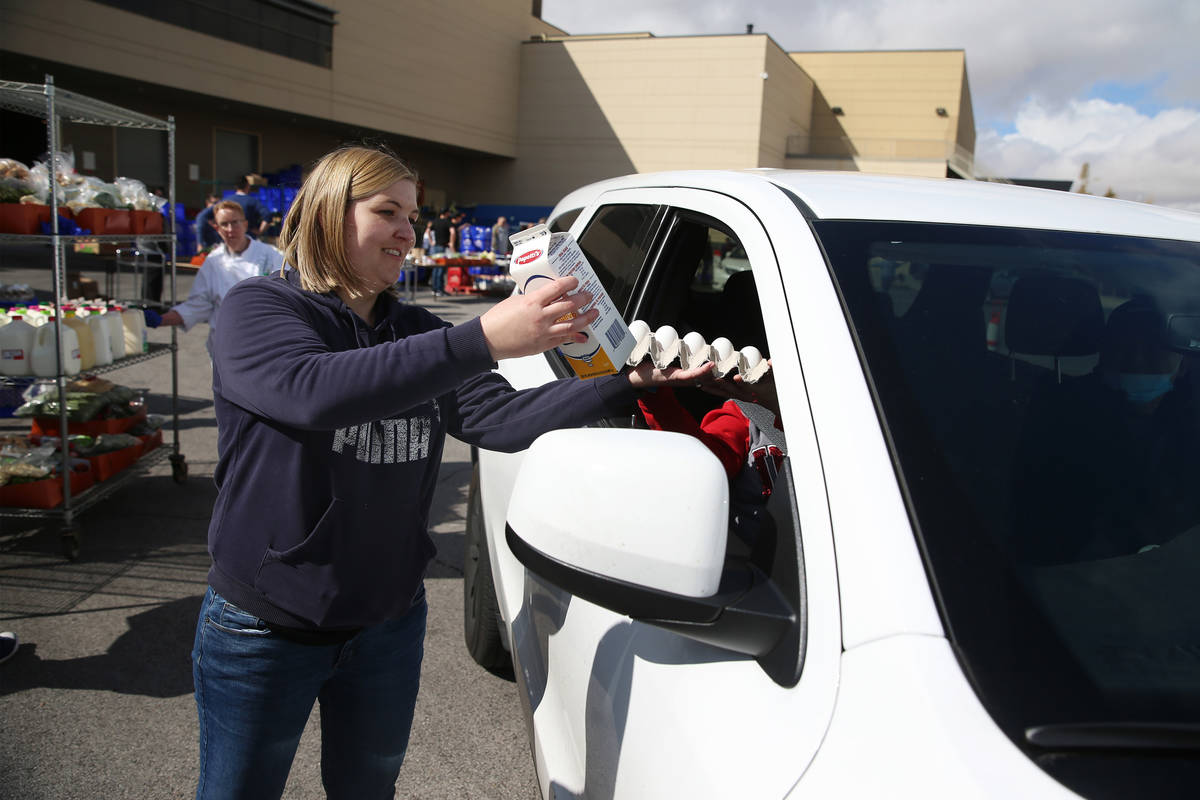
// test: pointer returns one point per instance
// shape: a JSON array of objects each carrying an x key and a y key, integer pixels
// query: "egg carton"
[{"x": 665, "y": 347}]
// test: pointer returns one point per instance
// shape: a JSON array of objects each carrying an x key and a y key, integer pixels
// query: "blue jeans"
[
  {"x": 255, "y": 691},
  {"x": 437, "y": 280}
]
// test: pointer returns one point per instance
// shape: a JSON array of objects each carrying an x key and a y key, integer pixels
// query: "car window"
[
  {"x": 564, "y": 220},
  {"x": 1040, "y": 392},
  {"x": 615, "y": 242},
  {"x": 700, "y": 279}
]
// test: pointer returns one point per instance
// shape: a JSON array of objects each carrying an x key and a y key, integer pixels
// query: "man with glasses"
[{"x": 237, "y": 258}]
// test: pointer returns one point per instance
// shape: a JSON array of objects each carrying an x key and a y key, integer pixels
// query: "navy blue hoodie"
[{"x": 330, "y": 436}]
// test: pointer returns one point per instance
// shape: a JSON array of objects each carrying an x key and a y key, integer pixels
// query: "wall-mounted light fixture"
[
  {"x": 837, "y": 111},
  {"x": 941, "y": 112}
]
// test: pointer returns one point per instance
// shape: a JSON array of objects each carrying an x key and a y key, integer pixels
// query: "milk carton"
[{"x": 539, "y": 256}]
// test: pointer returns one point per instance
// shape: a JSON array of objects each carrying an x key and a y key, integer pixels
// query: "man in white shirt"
[{"x": 239, "y": 257}]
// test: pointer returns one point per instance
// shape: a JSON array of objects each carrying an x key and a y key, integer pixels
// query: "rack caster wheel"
[
  {"x": 70, "y": 537},
  {"x": 179, "y": 468}
]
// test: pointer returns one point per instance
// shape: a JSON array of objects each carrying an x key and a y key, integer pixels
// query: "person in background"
[
  {"x": 333, "y": 399},
  {"x": 443, "y": 240},
  {"x": 427, "y": 238},
  {"x": 206, "y": 234},
  {"x": 500, "y": 244},
  {"x": 253, "y": 210},
  {"x": 462, "y": 231},
  {"x": 239, "y": 257}
]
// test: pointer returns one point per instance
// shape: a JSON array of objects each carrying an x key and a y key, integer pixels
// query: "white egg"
[
  {"x": 664, "y": 346},
  {"x": 694, "y": 351}
]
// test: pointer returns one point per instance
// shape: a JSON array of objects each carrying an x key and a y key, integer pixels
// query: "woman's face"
[{"x": 379, "y": 233}]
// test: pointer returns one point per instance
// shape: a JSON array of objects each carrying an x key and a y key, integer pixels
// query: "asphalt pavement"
[{"x": 97, "y": 703}]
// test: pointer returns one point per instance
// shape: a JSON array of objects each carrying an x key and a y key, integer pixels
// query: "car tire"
[{"x": 481, "y": 614}]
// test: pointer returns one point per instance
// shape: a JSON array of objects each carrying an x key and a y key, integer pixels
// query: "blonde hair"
[{"x": 313, "y": 237}]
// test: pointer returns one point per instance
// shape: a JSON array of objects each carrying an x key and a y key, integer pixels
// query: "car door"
[
  {"x": 619, "y": 708},
  {"x": 617, "y": 242}
]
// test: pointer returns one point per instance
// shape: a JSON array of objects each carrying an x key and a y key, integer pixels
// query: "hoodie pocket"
[{"x": 350, "y": 570}]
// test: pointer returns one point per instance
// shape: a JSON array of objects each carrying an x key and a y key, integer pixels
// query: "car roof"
[{"x": 864, "y": 196}]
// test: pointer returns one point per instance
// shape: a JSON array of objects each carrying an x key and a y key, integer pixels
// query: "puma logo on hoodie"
[{"x": 386, "y": 441}]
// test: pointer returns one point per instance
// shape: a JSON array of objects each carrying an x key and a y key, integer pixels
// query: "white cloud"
[
  {"x": 1032, "y": 66},
  {"x": 1140, "y": 157},
  {"x": 1054, "y": 49}
]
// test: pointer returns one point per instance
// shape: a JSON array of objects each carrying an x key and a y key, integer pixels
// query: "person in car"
[
  {"x": 1107, "y": 462},
  {"x": 750, "y": 455},
  {"x": 333, "y": 400}
]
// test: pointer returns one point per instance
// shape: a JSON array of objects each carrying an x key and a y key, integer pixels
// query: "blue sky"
[
  {"x": 1141, "y": 95},
  {"x": 1054, "y": 83}
]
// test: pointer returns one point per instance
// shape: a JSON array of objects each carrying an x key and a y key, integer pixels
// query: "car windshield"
[{"x": 1039, "y": 392}]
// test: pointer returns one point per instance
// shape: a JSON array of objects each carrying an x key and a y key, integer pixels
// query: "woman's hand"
[
  {"x": 528, "y": 324},
  {"x": 647, "y": 376}
]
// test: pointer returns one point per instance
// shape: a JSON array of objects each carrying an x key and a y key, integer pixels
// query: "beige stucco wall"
[
  {"x": 495, "y": 106},
  {"x": 890, "y": 101},
  {"x": 446, "y": 72},
  {"x": 786, "y": 108},
  {"x": 916, "y": 168},
  {"x": 673, "y": 103},
  {"x": 598, "y": 107}
]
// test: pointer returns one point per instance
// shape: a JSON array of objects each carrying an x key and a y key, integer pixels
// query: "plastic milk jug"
[
  {"x": 100, "y": 339},
  {"x": 16, "y": 347},
  {"x": 35, "y": 316},
  {"x": 114, "y": 329},
  {"x": 87, "y": 345},
  {"x": 135, "y": 331},
  {"x": 45, "y": 362}
]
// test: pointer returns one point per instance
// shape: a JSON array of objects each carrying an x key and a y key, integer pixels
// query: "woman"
[{"x": 333, "y": 400}]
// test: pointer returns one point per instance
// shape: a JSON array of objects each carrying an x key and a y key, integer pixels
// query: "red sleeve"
[{"x": 725, "y": 431}]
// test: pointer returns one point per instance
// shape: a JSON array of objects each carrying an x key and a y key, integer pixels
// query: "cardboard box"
[
  {"x": 79, "y": 286},
  {"x": 539, "y": 256}
]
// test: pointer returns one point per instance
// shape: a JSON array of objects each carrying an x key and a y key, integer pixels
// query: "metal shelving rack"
[{"x": 56, "y": 105}]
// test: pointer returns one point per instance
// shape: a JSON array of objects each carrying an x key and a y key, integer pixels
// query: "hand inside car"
[{"x": 735, "y": 388}]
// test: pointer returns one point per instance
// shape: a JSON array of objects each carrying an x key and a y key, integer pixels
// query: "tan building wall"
[
  {"x": 493, "y": 105},
  {"x": 889, "y": 102},
  {"x": 603, "y": 106},
  {"x": 446, "y": 72},
  {"x": 787, "y": 107}
]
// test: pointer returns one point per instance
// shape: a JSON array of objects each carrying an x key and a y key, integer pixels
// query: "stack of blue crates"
[
  {"x": 476, "y": 239},
  {"x": 273, "y": 199}
]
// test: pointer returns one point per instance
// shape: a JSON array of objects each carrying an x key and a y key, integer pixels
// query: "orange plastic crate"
[
  {"x": 21, "y": 218},
  {"x": 146, "y": 222},
  {"x": 105, "y": 465},
  {"x": 46, "y": 493},
  {"x": 49, "y": 425},
  {"x": 151, "y": 441},
  {"x": 105, "y": 221}
]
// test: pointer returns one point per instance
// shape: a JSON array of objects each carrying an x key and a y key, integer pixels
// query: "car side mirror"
[{"x": 636, "y": 521}]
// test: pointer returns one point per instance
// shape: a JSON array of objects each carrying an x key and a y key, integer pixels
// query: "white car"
[{"x": 974, "y": 574}]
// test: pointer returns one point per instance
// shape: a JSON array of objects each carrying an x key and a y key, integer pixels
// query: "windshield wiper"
[{"x": 1116, "y": 736}]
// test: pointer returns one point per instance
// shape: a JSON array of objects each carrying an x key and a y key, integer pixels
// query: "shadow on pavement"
[{"x": 152, "y": 658}]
